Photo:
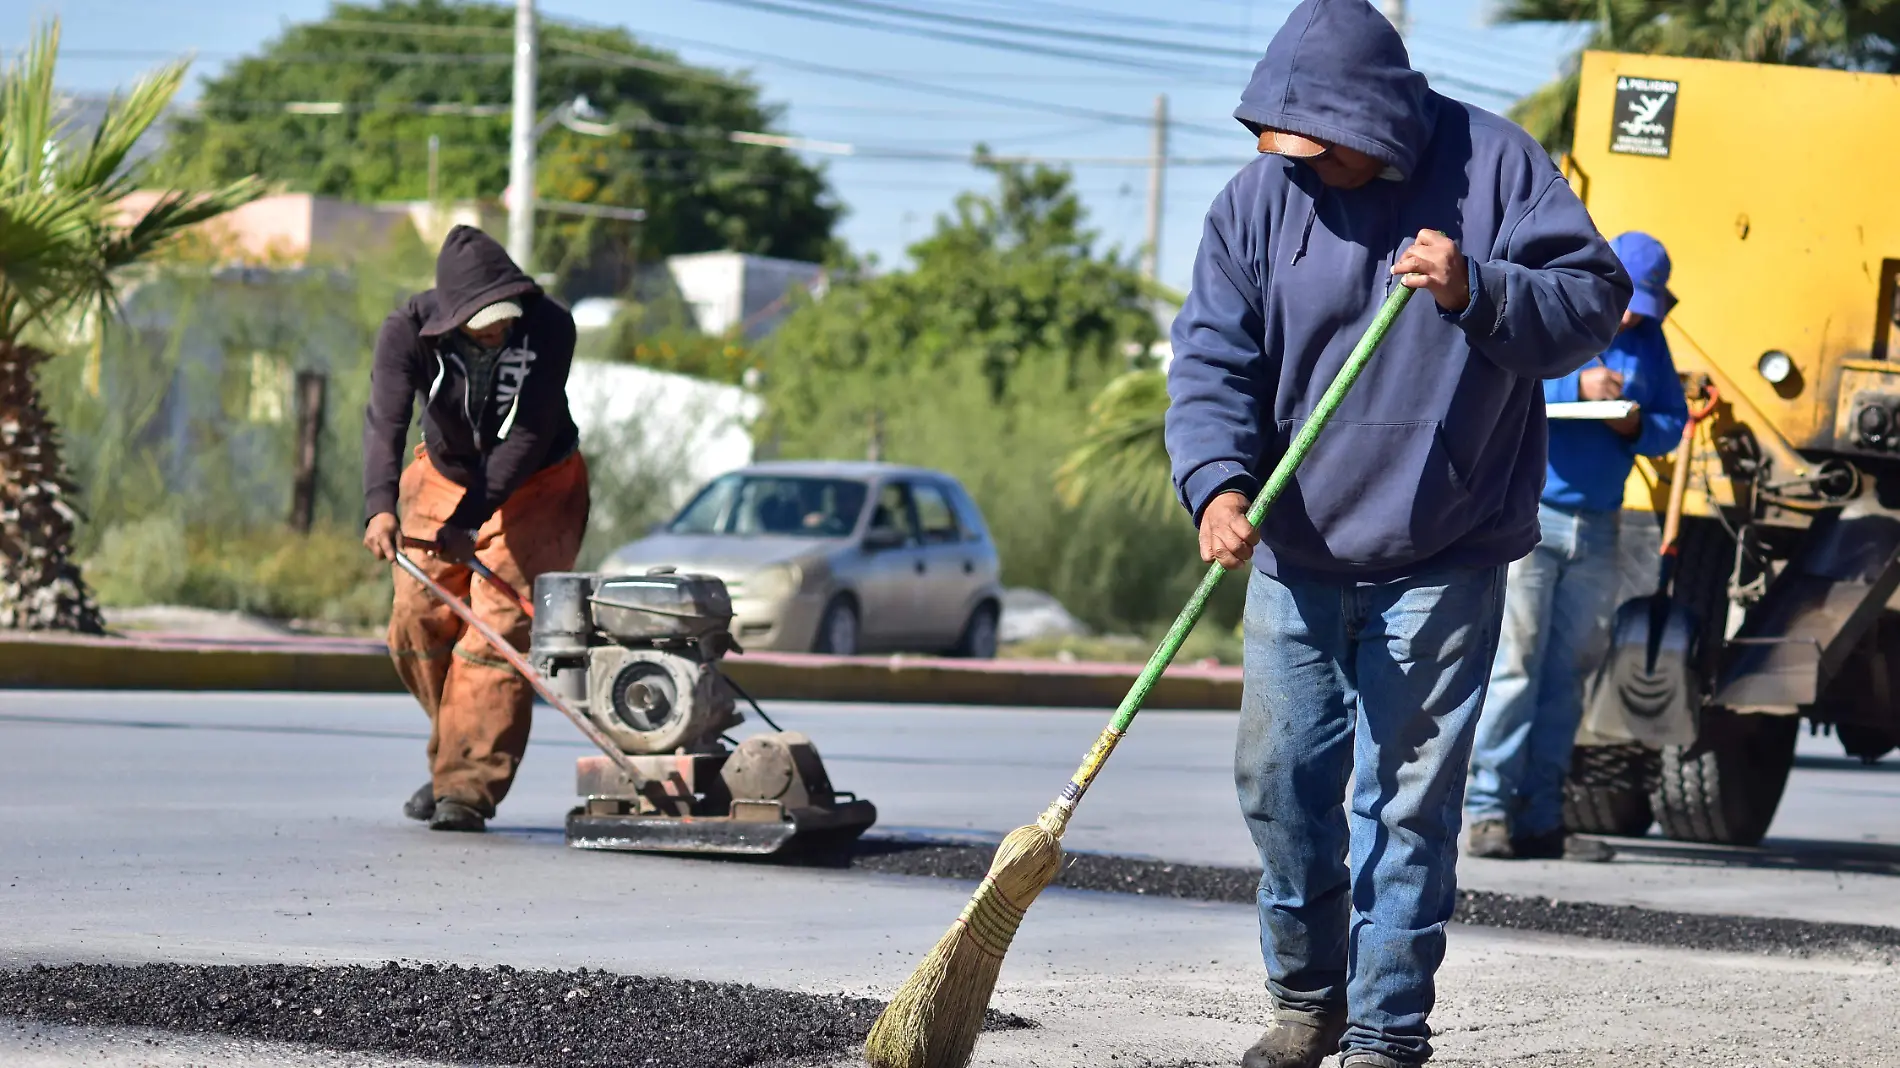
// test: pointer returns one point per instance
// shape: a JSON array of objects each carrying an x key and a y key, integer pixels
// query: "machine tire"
[
  {"x": 1608, "y": 790},
  {"x": 979, "y": 634},
  {"x": 1725, "y": 788},
  {"x": 838, "y": 626}
]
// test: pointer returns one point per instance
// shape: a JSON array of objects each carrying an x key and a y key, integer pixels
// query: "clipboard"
[{"x": 1613, "y": 409}]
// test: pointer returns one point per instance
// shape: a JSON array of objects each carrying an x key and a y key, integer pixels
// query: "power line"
[
  {"x": 893, "y": 81},
  {"x": 1004, "y": 44},
  {"x": 953, "y": 36},
  {"x": 1031, "y": 30},
  {"x": 740, "y": 139},
  {"x": 1114, "y": 18},
  {"x": 616, "y": 59}
]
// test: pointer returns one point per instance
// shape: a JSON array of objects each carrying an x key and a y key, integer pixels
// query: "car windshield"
[{"x": 779, "y": 505}]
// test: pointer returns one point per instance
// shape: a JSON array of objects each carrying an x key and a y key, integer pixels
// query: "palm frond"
[
  {"x": 27, "y": 104},
  {"x": 59, "y": 244},
  {"x": 126, "y": 120},
  {"x": 1549, "y": 112},
  {"x": 45, "y": 254},
  {"x": 1123, "y": 454},
  {"x": 174, "y": 213}
]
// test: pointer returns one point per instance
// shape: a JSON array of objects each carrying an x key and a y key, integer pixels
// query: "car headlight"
[{"x": 774, "y": 583}]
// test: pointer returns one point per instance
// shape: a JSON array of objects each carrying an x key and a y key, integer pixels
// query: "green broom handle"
[{"x": 1184, "y": 623}]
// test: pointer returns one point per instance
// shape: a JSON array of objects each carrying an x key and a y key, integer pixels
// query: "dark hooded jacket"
[
  {"x": 1436, "y": 458},
  {"x": 487, "y": 435}
]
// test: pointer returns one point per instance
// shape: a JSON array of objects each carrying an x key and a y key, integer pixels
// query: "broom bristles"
[{"x": 934, "y": 1018}]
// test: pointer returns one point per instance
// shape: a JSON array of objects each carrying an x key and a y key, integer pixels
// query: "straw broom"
[{"x": 933, "y": 1020}]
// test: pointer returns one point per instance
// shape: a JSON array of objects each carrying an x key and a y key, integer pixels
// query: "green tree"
[
  {"x": 404, "y": 70},
  {"x": 63, "y": 249},
  {"x": 1847, "y": 34},
  {"x": 981, "y": 359}
]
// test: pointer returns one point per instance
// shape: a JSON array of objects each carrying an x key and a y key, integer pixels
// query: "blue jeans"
[
  {"x": 1557, "y": 607},
  {"x": 1375, "y": 688}
]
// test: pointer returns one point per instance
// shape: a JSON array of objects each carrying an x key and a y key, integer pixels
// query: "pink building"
[{"x": 287, "y": 228}]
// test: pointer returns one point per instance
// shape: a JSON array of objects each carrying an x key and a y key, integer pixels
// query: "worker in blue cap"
[{"x": 1558, "y": 600}]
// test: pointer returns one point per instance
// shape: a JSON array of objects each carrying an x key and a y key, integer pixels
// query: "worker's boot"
[
  {"x": 1361, "y": 1058},
  {"x": 1297, "y": 1040},
  {"x": 421, "y": 804},
  {"x": 1490, "y": 838},
  {"x": 453, "y": 815},
  {"x": 1557, "y": 845}
]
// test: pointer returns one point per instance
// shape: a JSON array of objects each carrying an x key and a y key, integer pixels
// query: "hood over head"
[
  {"x": 1338, "y": 71},
  {"x": 472, "y": 272}
]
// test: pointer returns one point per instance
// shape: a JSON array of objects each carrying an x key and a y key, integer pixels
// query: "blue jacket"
[
  {"x": 1437, "y": 456},
  {"x": 1589, "y": 462}
]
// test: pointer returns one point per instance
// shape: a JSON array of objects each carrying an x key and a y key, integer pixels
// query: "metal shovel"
[{"x": 1647, "y": 689}]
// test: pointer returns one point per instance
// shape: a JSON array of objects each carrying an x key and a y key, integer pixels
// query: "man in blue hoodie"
[
  {"x": 1558, "y": 600},
  {"x": 1373, "y": 612}
]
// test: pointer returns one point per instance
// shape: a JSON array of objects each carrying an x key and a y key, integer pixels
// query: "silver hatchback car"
[{"x": 838, "y": 557}]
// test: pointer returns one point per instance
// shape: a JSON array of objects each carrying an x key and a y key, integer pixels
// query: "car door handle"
[
  {"x": 919, "y": 567},
  {"x": 968, "y": 567}
]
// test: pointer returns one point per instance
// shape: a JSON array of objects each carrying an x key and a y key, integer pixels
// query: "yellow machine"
[{"x": 1771, "y": 187}]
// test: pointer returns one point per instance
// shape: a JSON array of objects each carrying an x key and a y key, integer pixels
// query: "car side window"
[
  {"x": 893, "y": 511},
  {"x": 969, "y": 518},
  {"x": 936, "y": 520}
]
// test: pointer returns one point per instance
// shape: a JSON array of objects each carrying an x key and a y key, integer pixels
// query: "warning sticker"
[{"x": 1645, "y": 117}]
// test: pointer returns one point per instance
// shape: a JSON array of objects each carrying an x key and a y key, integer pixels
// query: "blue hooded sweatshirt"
[{"x": 1436, "y": 458}]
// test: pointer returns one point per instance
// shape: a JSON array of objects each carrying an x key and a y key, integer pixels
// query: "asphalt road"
[{"x": 254, "y": 829}]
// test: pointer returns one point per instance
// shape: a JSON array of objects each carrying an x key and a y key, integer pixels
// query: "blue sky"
[{"x": 892, "y": 203}]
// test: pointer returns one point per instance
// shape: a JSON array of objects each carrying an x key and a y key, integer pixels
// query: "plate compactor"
[{"x": 636, "y": 658}]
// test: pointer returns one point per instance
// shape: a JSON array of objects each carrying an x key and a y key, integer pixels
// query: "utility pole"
[
  {"x": 1157, "y": 189},
  {"x": 521, "y": 142},
  {"x": 1395, "y": 11},
  {"x": 435, "y": 155},
  {"x": 303, "y": 487}
]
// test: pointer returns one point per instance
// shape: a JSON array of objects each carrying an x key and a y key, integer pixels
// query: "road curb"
[{"x": 323, "y": 665}]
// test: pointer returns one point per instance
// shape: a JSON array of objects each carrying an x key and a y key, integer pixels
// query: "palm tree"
[
  {"x": 1123, "y": 454},
  {"x": 62, "y": 250},
  {"x": 1857, "y": 34}
]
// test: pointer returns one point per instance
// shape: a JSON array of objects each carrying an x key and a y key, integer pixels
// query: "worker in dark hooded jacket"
[
  {"x": 1374, "y": 607},
  {"x": 498, "y": 477}
]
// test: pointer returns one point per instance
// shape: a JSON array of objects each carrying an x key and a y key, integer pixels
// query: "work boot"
[
  {"x": 1557, "y": 845},
  {"x": 1365, "y": 1058},
  {"x": 1490, "y": 838},
  {"x": 1296, "y": 1040},
  {"x": 453, "y": 815},
  {"x": 421, "y": 804}
]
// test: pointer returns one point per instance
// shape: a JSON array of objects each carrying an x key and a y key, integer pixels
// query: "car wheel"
[
  {"x": 979, "y": 634},
  {"x": 838, "y": 629}
]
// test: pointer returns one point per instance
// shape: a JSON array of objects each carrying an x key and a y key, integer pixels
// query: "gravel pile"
[
  {"x": 1621, "y": 923},
  {"x": 464, "y": 1015}
]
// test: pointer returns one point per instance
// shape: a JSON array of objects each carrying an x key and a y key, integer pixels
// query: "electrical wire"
[
  {"x": 1004, "y": 44},
  {"x": 957, "y": 37},
  {"x": 1025, "y": 29},
  {"x": 610, "y": 58},
  {"x": 894, "y": 81}
]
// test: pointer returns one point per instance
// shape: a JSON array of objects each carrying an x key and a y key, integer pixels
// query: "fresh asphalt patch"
[
  {"x": 501, "y": 1016},
  {"x": 1518, "y": 912}
]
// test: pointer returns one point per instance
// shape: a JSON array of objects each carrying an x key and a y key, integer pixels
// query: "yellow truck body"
[{"x": 1775, "y": 200}]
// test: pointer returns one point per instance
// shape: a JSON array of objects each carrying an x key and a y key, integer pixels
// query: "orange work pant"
[{"x": 479, "y": 708}]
